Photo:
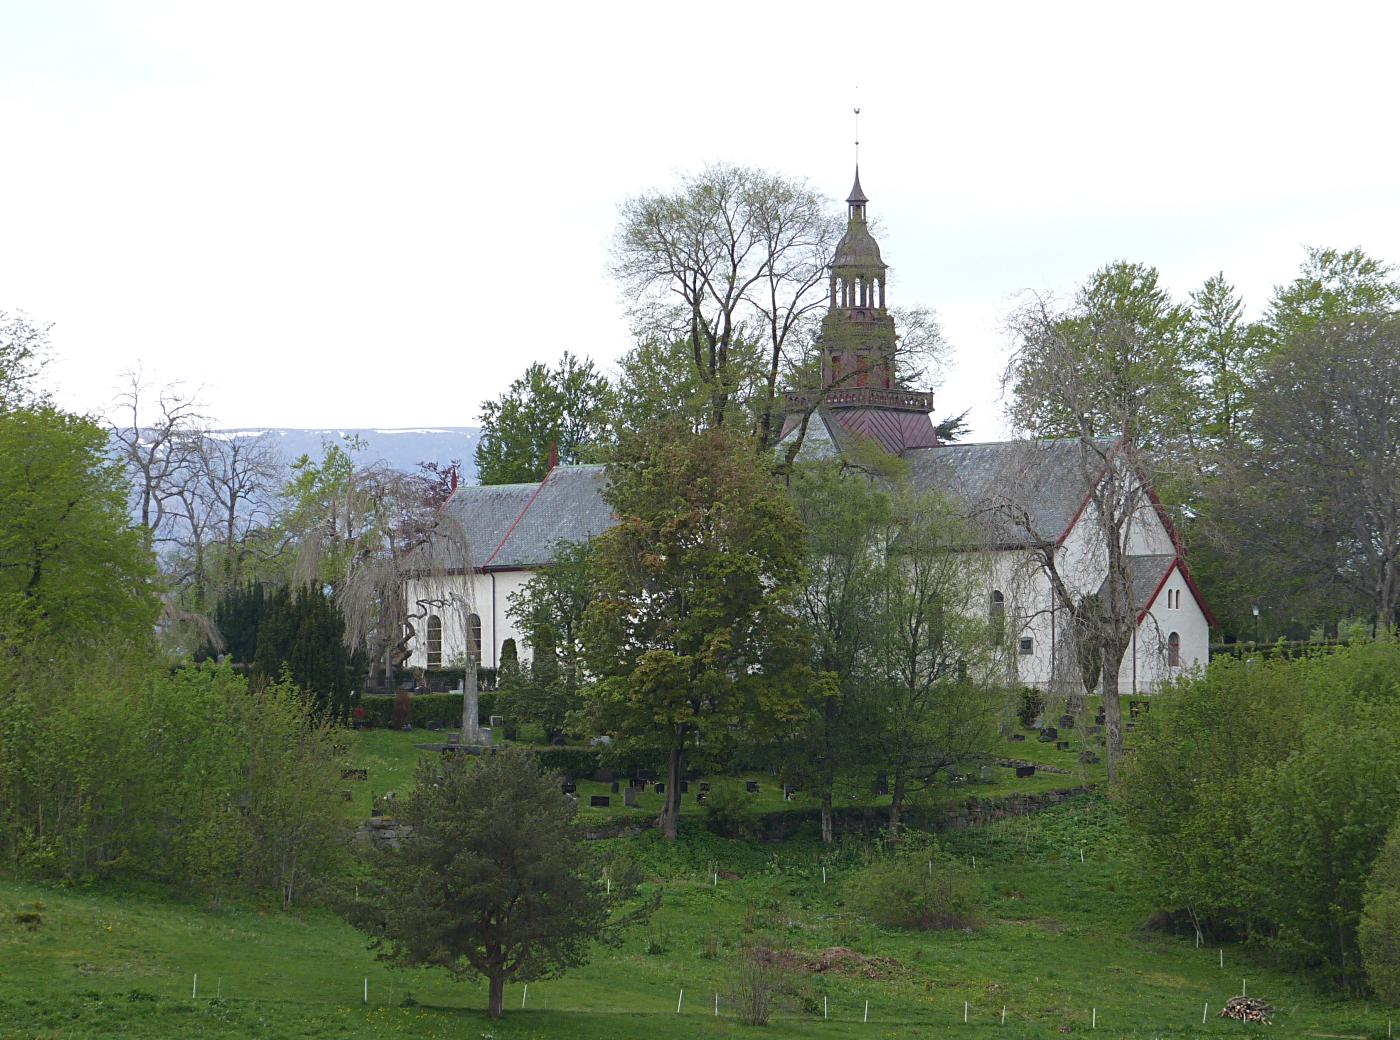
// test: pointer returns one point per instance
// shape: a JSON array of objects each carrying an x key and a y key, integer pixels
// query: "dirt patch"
[{"x": 837, "y": 959}]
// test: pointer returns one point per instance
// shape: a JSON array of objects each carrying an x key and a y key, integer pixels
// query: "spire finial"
[{"x": 857, "y": 113}]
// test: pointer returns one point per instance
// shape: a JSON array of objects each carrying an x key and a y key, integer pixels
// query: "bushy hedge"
[
  {"x": 186, "y": 777},
  {"x": 444, "y": 708},
  {"x": 916, "y": 892}
]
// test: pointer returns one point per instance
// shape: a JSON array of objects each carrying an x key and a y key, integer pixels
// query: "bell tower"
[{"x": 860, "y": 388}]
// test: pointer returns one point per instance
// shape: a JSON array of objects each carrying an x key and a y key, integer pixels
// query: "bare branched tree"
[
  {"x": 157, "y": 434},
  {"x": 1088, "y": 373},
  {"x": 239, "y": 474},
  {"x": 733, "y": 263}
]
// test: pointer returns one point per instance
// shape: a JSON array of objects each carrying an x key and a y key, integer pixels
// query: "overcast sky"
[{"x": 348, "y": 214}]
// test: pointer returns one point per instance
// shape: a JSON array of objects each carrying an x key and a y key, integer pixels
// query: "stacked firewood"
[{"x": 1247, "y": 1009}]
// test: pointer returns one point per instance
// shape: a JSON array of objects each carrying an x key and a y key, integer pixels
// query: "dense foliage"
[
  {"x": 1261, "y": 793},
  {"x": 302, "y": 636},
  {"x": 1379, "y": 934},
  {"x": 494, "y": 881},
  {"x": 185, "y": 777}
]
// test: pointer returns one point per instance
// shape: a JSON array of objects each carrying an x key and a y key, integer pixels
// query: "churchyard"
[{"x": 1063, "y": 951}]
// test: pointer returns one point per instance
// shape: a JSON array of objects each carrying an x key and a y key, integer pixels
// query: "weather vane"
[{"x": 857, "y": 112}]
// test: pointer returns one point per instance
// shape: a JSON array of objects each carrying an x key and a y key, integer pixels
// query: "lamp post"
[{"x": 1256, "y": 624}]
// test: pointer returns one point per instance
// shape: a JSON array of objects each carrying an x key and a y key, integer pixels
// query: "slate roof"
[
  {"x": 516, "y": 525},
  {"x": 1145, "y": 577},
  {"x": 1019, "y": 492}
]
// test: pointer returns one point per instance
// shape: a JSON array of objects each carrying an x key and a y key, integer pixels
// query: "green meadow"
[{"x": 1063, "y": 950}]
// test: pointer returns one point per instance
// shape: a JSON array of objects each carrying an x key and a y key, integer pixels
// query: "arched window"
[
  {"x": 996, "y": 614},
  {"x": 434, "y": 641},
  {"x": 1174, "y": 650},
  {"x": 474, "y": 636}
]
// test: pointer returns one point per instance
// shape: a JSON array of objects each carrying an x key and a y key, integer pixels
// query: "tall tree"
[
  {"x": 929, "y": 644},
  {"x": 568, "y": 410},
  {"x": 1223, "y": 354},
  {"x": 1318, "y": 493},
  {"x": 1125, "y": 340},
  {"x": 691, "y": 628},
  {"x": 495, "y": 879},
  {"x": 156, "y": 435},
  {"x": 844, "y": 515},
  {"x": 1111, "y": 373},
  {"x": 733, "y": 264},
  {"x": 24, "y": 351},
  {"x": 71, "y": 564},
  {"x": 1331, "y": 284}
]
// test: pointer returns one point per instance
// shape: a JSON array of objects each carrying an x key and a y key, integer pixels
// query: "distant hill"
[{"x": 403, "y": 449}]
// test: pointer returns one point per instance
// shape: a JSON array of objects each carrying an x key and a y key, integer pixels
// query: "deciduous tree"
[
  {"x": 691, "y": 629},
  {"x": 733, "y": 264},
  {"x": 568, "y": 410}
]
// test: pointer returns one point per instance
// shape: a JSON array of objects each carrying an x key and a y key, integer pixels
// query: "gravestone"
[
  {"x": 629, "y": 796},
  {"x": 434, "y": 725},
  {"x": 1067, "y": 722},
  {"x": 1048, "y": 734},
  {"x": 354, "y": 774},
  {"x": 346, "y": 796},
  {"x": 685, "y": 787},
  {"x": 1088, "y": 758},
  {"x": 615, "y": 787},
  {"x": 1018, "y": 737},
  {"x": 1132, "y": 709},
  {"x": 986, "y": 774},
  {"x": 1024, "y": 771},
  {"x": 605, "y": 776},
  {"x": 700, "y": 798},
  {"x": 569, "y": 787},
  {"x": 599, "y": 801},
  {"x": 751, "y": 786},
  {"x": 659, "y": 788},
  {"x": 1062, "y": 745},
  {"x": 705, "y": 786}
]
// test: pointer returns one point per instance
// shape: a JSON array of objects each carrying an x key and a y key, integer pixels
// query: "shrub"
[
  {"x": 727, "y": 811},
  {"x": 443, "y": 708},
  {"x": 1030, "y": 706},
  {"x": 754, "y": 986},
  {"x": 917, "y": 893},
  {"x": 1380, "y": 922}
]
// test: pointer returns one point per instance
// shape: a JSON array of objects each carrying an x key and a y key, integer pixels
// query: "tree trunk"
[
  {"x": 496, "y": 994},
  {"x": 1113, "y": 721},
  {"x": 826, "y": 817},
  {"x": 896, "y": 802},
  {"x": 671, "y": 807}
]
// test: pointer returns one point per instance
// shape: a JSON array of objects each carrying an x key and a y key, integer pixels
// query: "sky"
[{"x": 373, "y": 214}]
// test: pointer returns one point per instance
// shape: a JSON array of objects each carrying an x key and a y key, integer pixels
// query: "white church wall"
[
  {"x": 1175, "y": 610},
  {"x": 454, "y": 599}
]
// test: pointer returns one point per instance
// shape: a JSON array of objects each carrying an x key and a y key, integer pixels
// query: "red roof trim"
[
  {"x": 1088, "y": 496},
  {"x": 1179, "y": 564},
  {"x": 511, "y": 529}
]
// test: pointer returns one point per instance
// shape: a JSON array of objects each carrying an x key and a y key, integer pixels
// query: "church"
[{"x": 1040, "y": 545}]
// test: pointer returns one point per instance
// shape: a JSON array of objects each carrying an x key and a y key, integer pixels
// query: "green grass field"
[{"x": 1063, "y": 943}]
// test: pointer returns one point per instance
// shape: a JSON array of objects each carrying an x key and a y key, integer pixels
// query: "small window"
[
  {"x": 996, "y": 615},
  {"x": 474, "y": 636},
  {"x": 1027, "y": 645},
  {"x": 1174, "y": 650},
  {"x": 434, "y": 641}
]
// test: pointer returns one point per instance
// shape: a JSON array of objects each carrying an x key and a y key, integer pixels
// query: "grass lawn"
[{"x": 1063, "y": 942}]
